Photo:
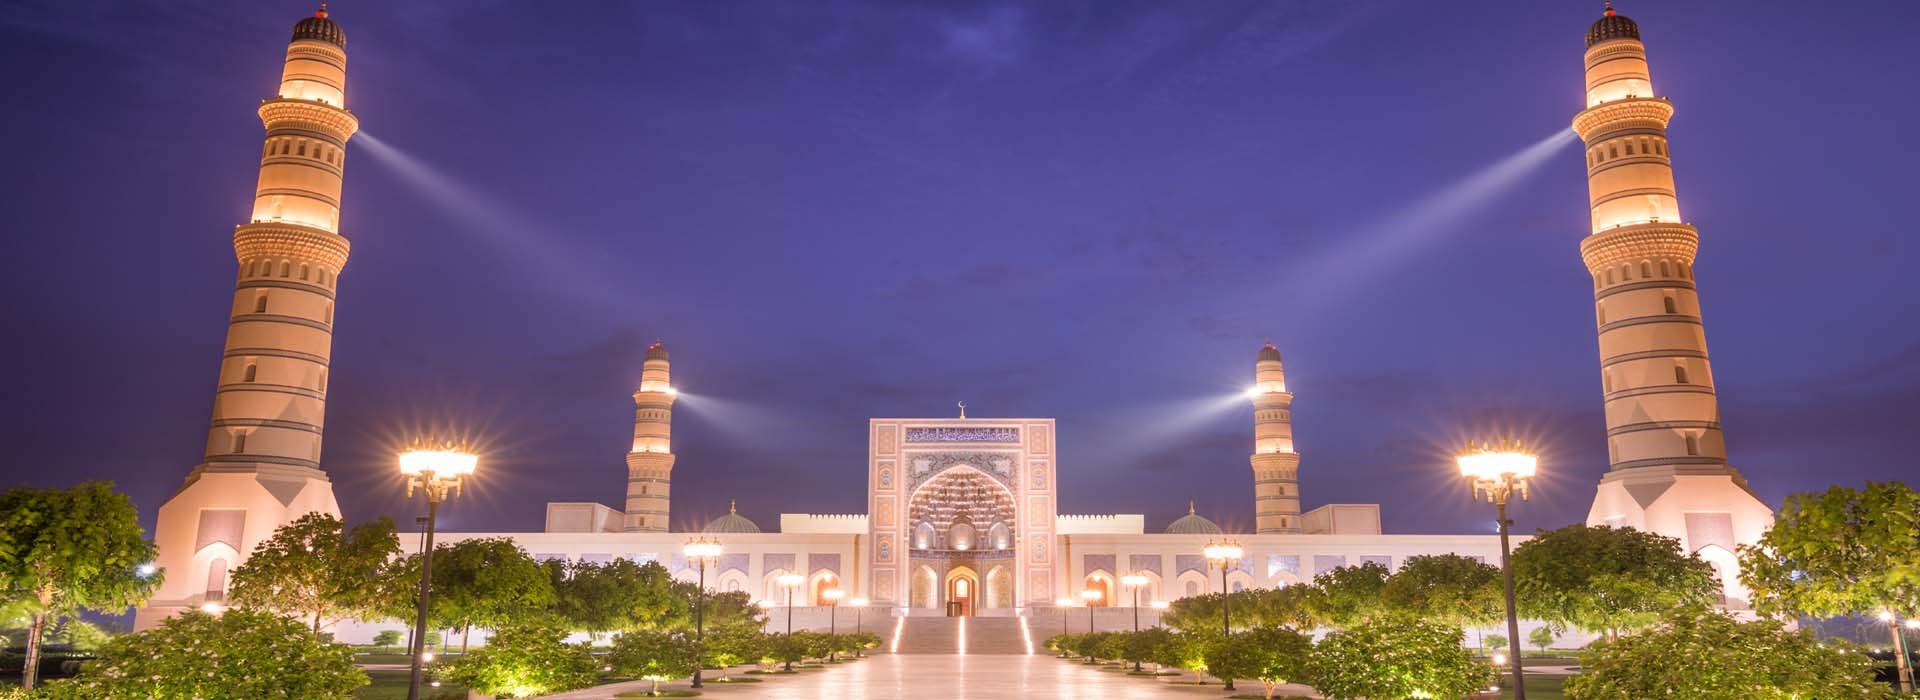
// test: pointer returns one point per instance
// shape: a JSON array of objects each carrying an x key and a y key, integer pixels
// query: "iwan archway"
[{"x": 968, "y": 500}]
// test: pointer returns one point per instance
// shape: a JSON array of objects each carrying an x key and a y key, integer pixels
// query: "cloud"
[{"x": 998, "y": 40}]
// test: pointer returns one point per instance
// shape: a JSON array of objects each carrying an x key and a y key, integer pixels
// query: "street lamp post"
[
  {"x": 789, "y": 582},
  {"x": 833, "y": 596},
  {"x": 1065, "y": 605},
  {"x": 859, "y": 608},
  {"x": 704, "y": 553},
  {"x": 434, "y": 470},
  {"x": 1497, "y": 473},
  {"x": 1224, "y": 555},
  {"x": 1091, "y": 595},
  {"x": 1902, "y": 666},
  {"x": 1135, "y": 582}
]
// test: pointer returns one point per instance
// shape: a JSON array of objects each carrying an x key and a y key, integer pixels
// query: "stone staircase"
[{"x": 942, "y": 635}]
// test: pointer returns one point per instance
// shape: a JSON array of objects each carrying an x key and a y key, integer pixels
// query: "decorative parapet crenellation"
[
  {"x": 278, "y": 239},
  {"x": 1649, "y": 241}
]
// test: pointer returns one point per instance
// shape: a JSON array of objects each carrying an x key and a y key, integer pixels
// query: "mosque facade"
[{"x": 962, "y": 513}]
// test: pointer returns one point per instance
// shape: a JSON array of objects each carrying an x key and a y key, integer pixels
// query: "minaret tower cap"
[
  {"x": 1269, "y": 353},
  {"x": 319, "y": 28},
  {"x": 1612, "y": 26},
  {"x": 657, "y": 351}
]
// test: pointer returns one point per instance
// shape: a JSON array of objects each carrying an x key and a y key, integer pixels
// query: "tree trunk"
[
  {"x": 466, "y": 630},
  {"x": 656, "y": 688},
  {"x": 316, "y": 623},
  {"x": 32, "y": 671}
]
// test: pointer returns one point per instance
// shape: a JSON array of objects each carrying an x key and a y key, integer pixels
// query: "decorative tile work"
[
  {"x": 829, "y": 561},
  {"x": 1278, "y": 563},
  {"x": 678, "y": 563},
  {"x": 223, "y": 526},
  {"x": 1245, "y": 566},
  {"x": 926, "y": 465},
  {"x": 1323, "y": 563},
  {"x": 1706, "y": 529},
  {"x": 733, "y": 562},
  {"x": 887, "y": 441},
  {"x": 1146, "y": 562},
  {"x": 963, "y": 435},
  {"x": 1183, "y": 563},
  {"x": 643, "y": 558},
  {"x": 769, "y": 562},
  {"x": 883, "y": 585},
  {"x": 1385, "y": 561},
  {"x": 596, "y": 558},
  {"x": 1097, "y": 562}
]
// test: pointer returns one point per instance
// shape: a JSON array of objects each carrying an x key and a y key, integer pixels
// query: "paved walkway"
[{"x": 938, "y": 677}]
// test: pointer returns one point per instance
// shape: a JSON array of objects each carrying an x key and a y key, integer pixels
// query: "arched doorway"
[
  {"x": 923, "y": 593},
  {"x": 963, "y": 592},
  {"x": 1104, "y": 584},
  {"x": 817, "y": 588}
]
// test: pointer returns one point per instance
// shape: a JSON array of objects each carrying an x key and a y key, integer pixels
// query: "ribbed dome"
[
  {"x": 1191, "y": 524},
  {"x": 733, "y": 521},
  {"x": 657, "y": 351},
  {"x": 1269, "y": 354},
  {"x": 1612, "y": 26},
  {"x": 318, "y": 27}
]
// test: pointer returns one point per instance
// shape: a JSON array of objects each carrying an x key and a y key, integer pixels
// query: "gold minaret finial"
[
  {"x": 1609, "y": 8},
  {"x": 730, "y": 509},
  {"x": 1189, "y": 507},
  {"x": 322, "y": 12}
]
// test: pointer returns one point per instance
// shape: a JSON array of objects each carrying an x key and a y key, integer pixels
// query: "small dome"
[
  {"x": 733, "y": 521},
  {"x": 1192, "y": 524},
  {"x": 657, "y": 351},
  {"x": 1269, "y": 354},
  {"x": 319, "y": 28},
  {"x": 1612, "y": 26}
]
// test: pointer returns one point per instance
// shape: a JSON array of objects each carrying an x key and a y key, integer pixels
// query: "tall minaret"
[
  {"x": 650, "y": 463},
  {"x": 1669, "y": 471},
  {"x": 1276, "y": 467},
  {"x": 262, "y": 461}
]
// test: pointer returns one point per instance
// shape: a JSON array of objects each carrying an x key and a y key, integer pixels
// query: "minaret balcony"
[
  {"x": 1595, "y": 123},
  {"x": 1653, "y": 240},
  {"x": 311, "y": 115}
]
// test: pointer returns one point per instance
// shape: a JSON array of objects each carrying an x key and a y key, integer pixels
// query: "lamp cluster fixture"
[
  {"x": 1497, "y": 471},
  {"x": 437, "y": 468}
]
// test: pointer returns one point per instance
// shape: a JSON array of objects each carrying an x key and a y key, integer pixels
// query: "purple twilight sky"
[{"x": 830, "y": 211}]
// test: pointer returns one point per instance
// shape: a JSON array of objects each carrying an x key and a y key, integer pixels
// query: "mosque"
[{"x": 962, "y": 513}]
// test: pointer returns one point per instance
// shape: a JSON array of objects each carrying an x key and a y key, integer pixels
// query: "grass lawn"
[
  {"x": 392, "y": 685},
  {"x": 1542, "y": 688}
]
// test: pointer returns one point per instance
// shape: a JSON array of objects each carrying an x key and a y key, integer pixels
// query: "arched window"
[
  {"x": 1626, "y": 272},
  {"x": 1646, "y": 269},
  {"x": 1600, "y": 314},
  {"x": 1693, "y": 444},
  {"x": 303, "y": 271},
  {"x": 1664, "y": 270},
  {"x": 260, "y": 304},
  {"x": 1609, "y": 276},
  {"x": 251, "y": 372},
  {"x": 1193, "y": 588},
  {"x": 329, "y": 313},
  {"x": 323, "y": 381},
  {"x": 303, "y": 149},
  {"x": 239, "y": 443},
  {"x": 1672, "y": 307},
  {"x": 286, "y": 268},
  {"x": 217, "y": 581},
  {"x": 1679, "y": 374},
  {"x": 1606, "y": 381},
  {"x": 1613, "y": 152}
]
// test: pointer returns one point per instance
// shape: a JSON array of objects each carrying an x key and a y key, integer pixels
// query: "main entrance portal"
[{"x": 962, "y": 515}]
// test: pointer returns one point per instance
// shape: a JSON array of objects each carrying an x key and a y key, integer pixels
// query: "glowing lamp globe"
[
  {"x": 1133, "y": 580},
  {"x": 833, "y": 595},
  {"x": 858, "y": 602},
  {"x": 701, "y": 549},
  {"x": 1090, "y": 595},
  {"x": 1222, "y": 551},
  {"x": 445, "y": 463},
  {"x": 1064, "y": 602},
  {"x": 790, "y": 580},
  {"x": 1161, "y": 605},
  {"x": 1495, "y": 463}
]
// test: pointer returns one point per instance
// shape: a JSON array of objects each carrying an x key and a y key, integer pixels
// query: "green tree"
[
  {"x": 490, "y": 582},
  {"x": 732, "y": 645},
  {"x": 1288, "y": 607},
  {"x": 655, "y": 656},
  {"x": 1187, "y": 652},
  {"x": 1542, "y": 637},
  {"x": 241, "y": 654},
  {"x": 1275, "y": 657},
  {"x": 1448, "y": 588},
  {"x": 1146, "y": 646},
  {"x": 1384, "y": 659},
  {"x": 1201, "y": 613},
  {"x": 523, "y": 661},
  {"x": 317, "y": 568},
  {"x": 387, "y": 638},
  {"x": 1349, "y": 595},
  {"x": 1607, "y": 580},
  {"x": 67, "y": 550},
  {"x": 1702, "y": 655},
  {"x": 1844, "y": 551},
  {"x": 786, "y": 649},
  {"x": 619, "y": 595},
  {"x": 1495, "y": 642}
]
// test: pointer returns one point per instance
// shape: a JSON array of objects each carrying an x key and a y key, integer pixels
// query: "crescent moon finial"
[{"x": 963, "y": 408}]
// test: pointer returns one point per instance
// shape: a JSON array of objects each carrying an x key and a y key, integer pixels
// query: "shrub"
[
  {"x": 525, "y": 661},
  {"x": 1274, "y": 657},
  {"x": 250, "y": 654},
  {"x": 1703, "y": 655},
  {"x": 1146, "y": 646},
  {"x": 1112, "y": 646},
  {"x": 1388, "y": 660},
  {"x": 732, "y": 645},
  {"x": 655, "y": 656}
]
